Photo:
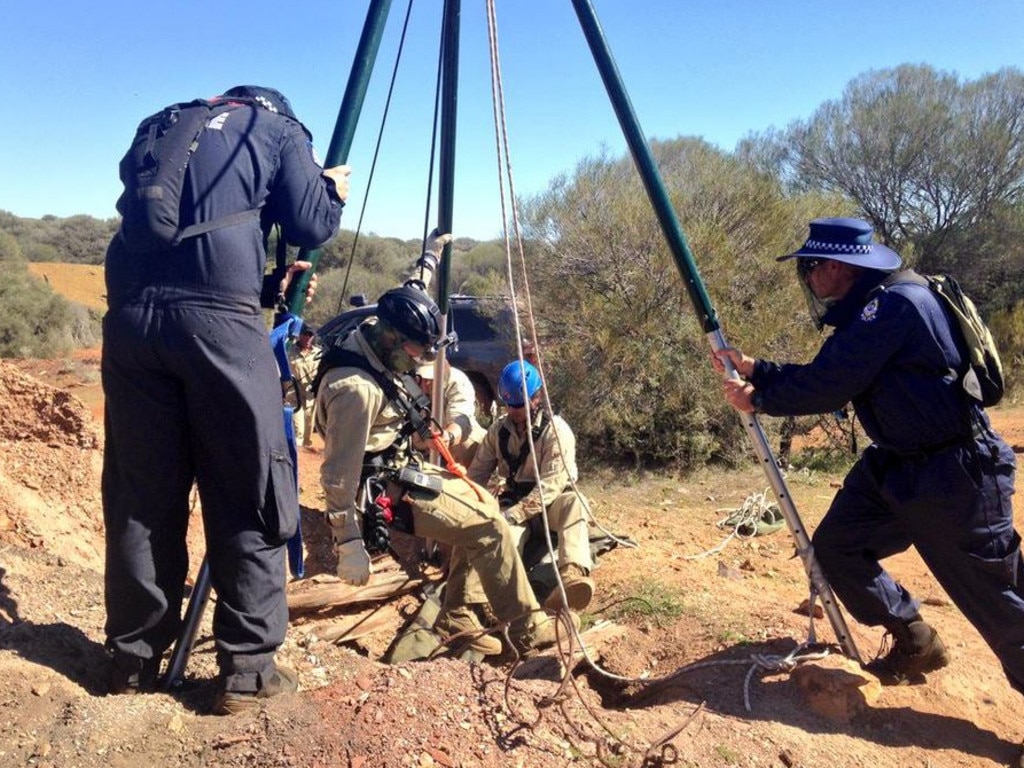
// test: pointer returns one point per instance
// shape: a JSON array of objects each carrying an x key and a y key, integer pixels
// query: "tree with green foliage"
[
  {"x": 935, "y": 164},
  {"x": 628, "y": 364}
]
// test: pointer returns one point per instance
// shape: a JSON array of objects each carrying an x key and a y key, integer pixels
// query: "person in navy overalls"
[
  {"x": 193, "y": 395},
  {"x": 936, "y": 476}
]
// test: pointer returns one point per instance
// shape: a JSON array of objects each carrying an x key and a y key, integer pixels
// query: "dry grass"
[{"x": 81, "y": 283}]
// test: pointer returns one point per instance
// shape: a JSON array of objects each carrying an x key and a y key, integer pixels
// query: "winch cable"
[
  {"x": 765, "y": 662},
  {"x": 505, "y": 168},
  {"x": 376, "y": 154}
]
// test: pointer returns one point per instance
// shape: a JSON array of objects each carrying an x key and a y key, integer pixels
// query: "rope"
[
  {"x": 433, "y": 133},
  {"x": 757, "y": 661},
  {"x": 757, "y": 516},
  {"x": 505, "y": 166}
]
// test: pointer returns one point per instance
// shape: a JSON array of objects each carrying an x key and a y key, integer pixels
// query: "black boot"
[
  {"x": 916, "y": 649},
  {"x": 132, "y": 674}
]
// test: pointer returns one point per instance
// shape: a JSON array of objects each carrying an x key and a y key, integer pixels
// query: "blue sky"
[{"x": 78, "y": 78}]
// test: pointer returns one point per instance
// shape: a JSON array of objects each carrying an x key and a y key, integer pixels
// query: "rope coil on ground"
[{"x": 758, "y": 516}]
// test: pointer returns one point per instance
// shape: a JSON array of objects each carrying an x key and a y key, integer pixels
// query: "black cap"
[{"x": 269, "y": 98}]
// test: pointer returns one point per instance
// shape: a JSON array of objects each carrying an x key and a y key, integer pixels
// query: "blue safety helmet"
[{"x": 510, "y": 383}]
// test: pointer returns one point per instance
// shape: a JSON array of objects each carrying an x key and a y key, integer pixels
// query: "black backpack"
[{"x": 153, "y": 173}]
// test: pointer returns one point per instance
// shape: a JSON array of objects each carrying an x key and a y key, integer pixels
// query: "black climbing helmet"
[{"x": 411, "y": 312}]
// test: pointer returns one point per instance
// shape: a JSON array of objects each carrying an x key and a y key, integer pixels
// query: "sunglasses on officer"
[{"x": 804, "y": 267}]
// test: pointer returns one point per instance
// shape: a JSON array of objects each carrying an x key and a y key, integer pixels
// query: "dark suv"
[{"x": 486, "y": 339}]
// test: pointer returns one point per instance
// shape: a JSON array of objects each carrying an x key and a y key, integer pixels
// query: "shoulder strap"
[
  {"x": 903, "y": 276},
  {"x": 515, "y": 463},
  {"x": 414, "y": 406},
  {"x": 337, "y": 357}
]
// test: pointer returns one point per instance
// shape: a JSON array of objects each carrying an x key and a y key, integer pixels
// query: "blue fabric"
[
  {"x": 289, "y": 326},
  {"x": 937, "y": 477},
  {"x": 296, "y": 559}
]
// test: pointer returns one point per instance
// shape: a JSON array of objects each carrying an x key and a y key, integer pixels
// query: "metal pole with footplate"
[{"x": 702, "y": 306}]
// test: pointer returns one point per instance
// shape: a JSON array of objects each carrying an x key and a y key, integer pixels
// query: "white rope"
[
  {"x": 501, "y": 140},
  {"x": 765, "y": 662},
  {"x": 743, "y": 522}
]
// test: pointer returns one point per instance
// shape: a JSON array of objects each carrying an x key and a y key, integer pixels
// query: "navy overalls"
[
  {"x": 193, "y": 394},
  {"x": 936, "y": 476}
]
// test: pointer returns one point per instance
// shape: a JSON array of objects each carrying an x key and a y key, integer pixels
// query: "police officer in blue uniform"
[
  {"x": 193, "y": 395},
  {"x": 936, "y": 477}
]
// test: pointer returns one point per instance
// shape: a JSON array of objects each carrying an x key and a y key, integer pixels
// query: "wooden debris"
[
  {"x": 354, "y": 627},
  {"x": 331, "y": 594}
]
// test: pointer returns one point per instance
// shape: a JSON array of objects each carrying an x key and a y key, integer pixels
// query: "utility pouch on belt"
[{"x": 414, "y": 480}]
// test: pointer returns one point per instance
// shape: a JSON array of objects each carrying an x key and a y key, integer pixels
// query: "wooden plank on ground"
[
  {"x": 350, "y": 628},
  {"x": 337, "y": 593}
]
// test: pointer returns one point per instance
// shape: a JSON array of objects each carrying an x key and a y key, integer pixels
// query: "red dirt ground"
[{"x": 718, "y": 612}]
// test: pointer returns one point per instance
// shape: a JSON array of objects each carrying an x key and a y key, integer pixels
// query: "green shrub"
[
  {"x": 1007, "y": 328},
  {"x": 34, "y": 321}
]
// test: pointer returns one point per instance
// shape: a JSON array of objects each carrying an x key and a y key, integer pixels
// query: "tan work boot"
[
  {"x": 281, "y": 680},
  {"x": 579, "y": 589},
  {"x": 460, "y": 628},
  {"x": 542, "y": 631}
]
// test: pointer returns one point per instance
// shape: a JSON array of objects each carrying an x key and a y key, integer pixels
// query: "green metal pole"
[
  {"x": 345, "y": 128},
  {"x": 446, "y": 172},
  {"x": 702, "y": 306},
  {"x": 645, "y": 164},
  {"x": 446, "y": 182}
]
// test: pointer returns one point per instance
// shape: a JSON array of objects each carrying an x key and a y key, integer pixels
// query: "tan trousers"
[
  {"x": 303, "y": 420},
  {"x": 485, "y": 566},
  {"x": 567, "y": 516},
  {"x": 463, "y": 453}
]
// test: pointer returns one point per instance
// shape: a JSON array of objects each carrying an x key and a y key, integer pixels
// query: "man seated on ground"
[
  {"x": 363, "y": 389},
  {"x": 506, "y": 448},
  {"x": 461, "y": 431}
]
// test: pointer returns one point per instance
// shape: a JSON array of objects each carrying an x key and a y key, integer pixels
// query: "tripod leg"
[{"x": 189, "y": 629}]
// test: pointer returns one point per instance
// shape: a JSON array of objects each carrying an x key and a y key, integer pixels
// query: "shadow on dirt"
[
  {"x": 61, "y": 647},
  {"x": 719, "y": 679}
]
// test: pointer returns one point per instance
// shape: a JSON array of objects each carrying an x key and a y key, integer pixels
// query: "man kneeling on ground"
[{"x": 363, "y": 382}]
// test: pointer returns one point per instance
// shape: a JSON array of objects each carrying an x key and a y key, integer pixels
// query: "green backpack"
[{"x": 983, "y": 379}]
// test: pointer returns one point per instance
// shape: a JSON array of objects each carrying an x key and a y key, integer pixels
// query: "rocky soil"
[{"x": 683, "y": 669}]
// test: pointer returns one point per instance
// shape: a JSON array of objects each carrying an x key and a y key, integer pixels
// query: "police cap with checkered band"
[{"x": 847, "y": 240}]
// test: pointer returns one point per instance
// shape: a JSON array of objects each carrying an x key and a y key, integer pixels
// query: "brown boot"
[
  {"x": 916, "y": 650},
  {"x": 542, "y": 631},
  {"x": 579, "y": 589},
  {"x": 281, "y": 680},
  {"x": 460, "y": 628}
]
